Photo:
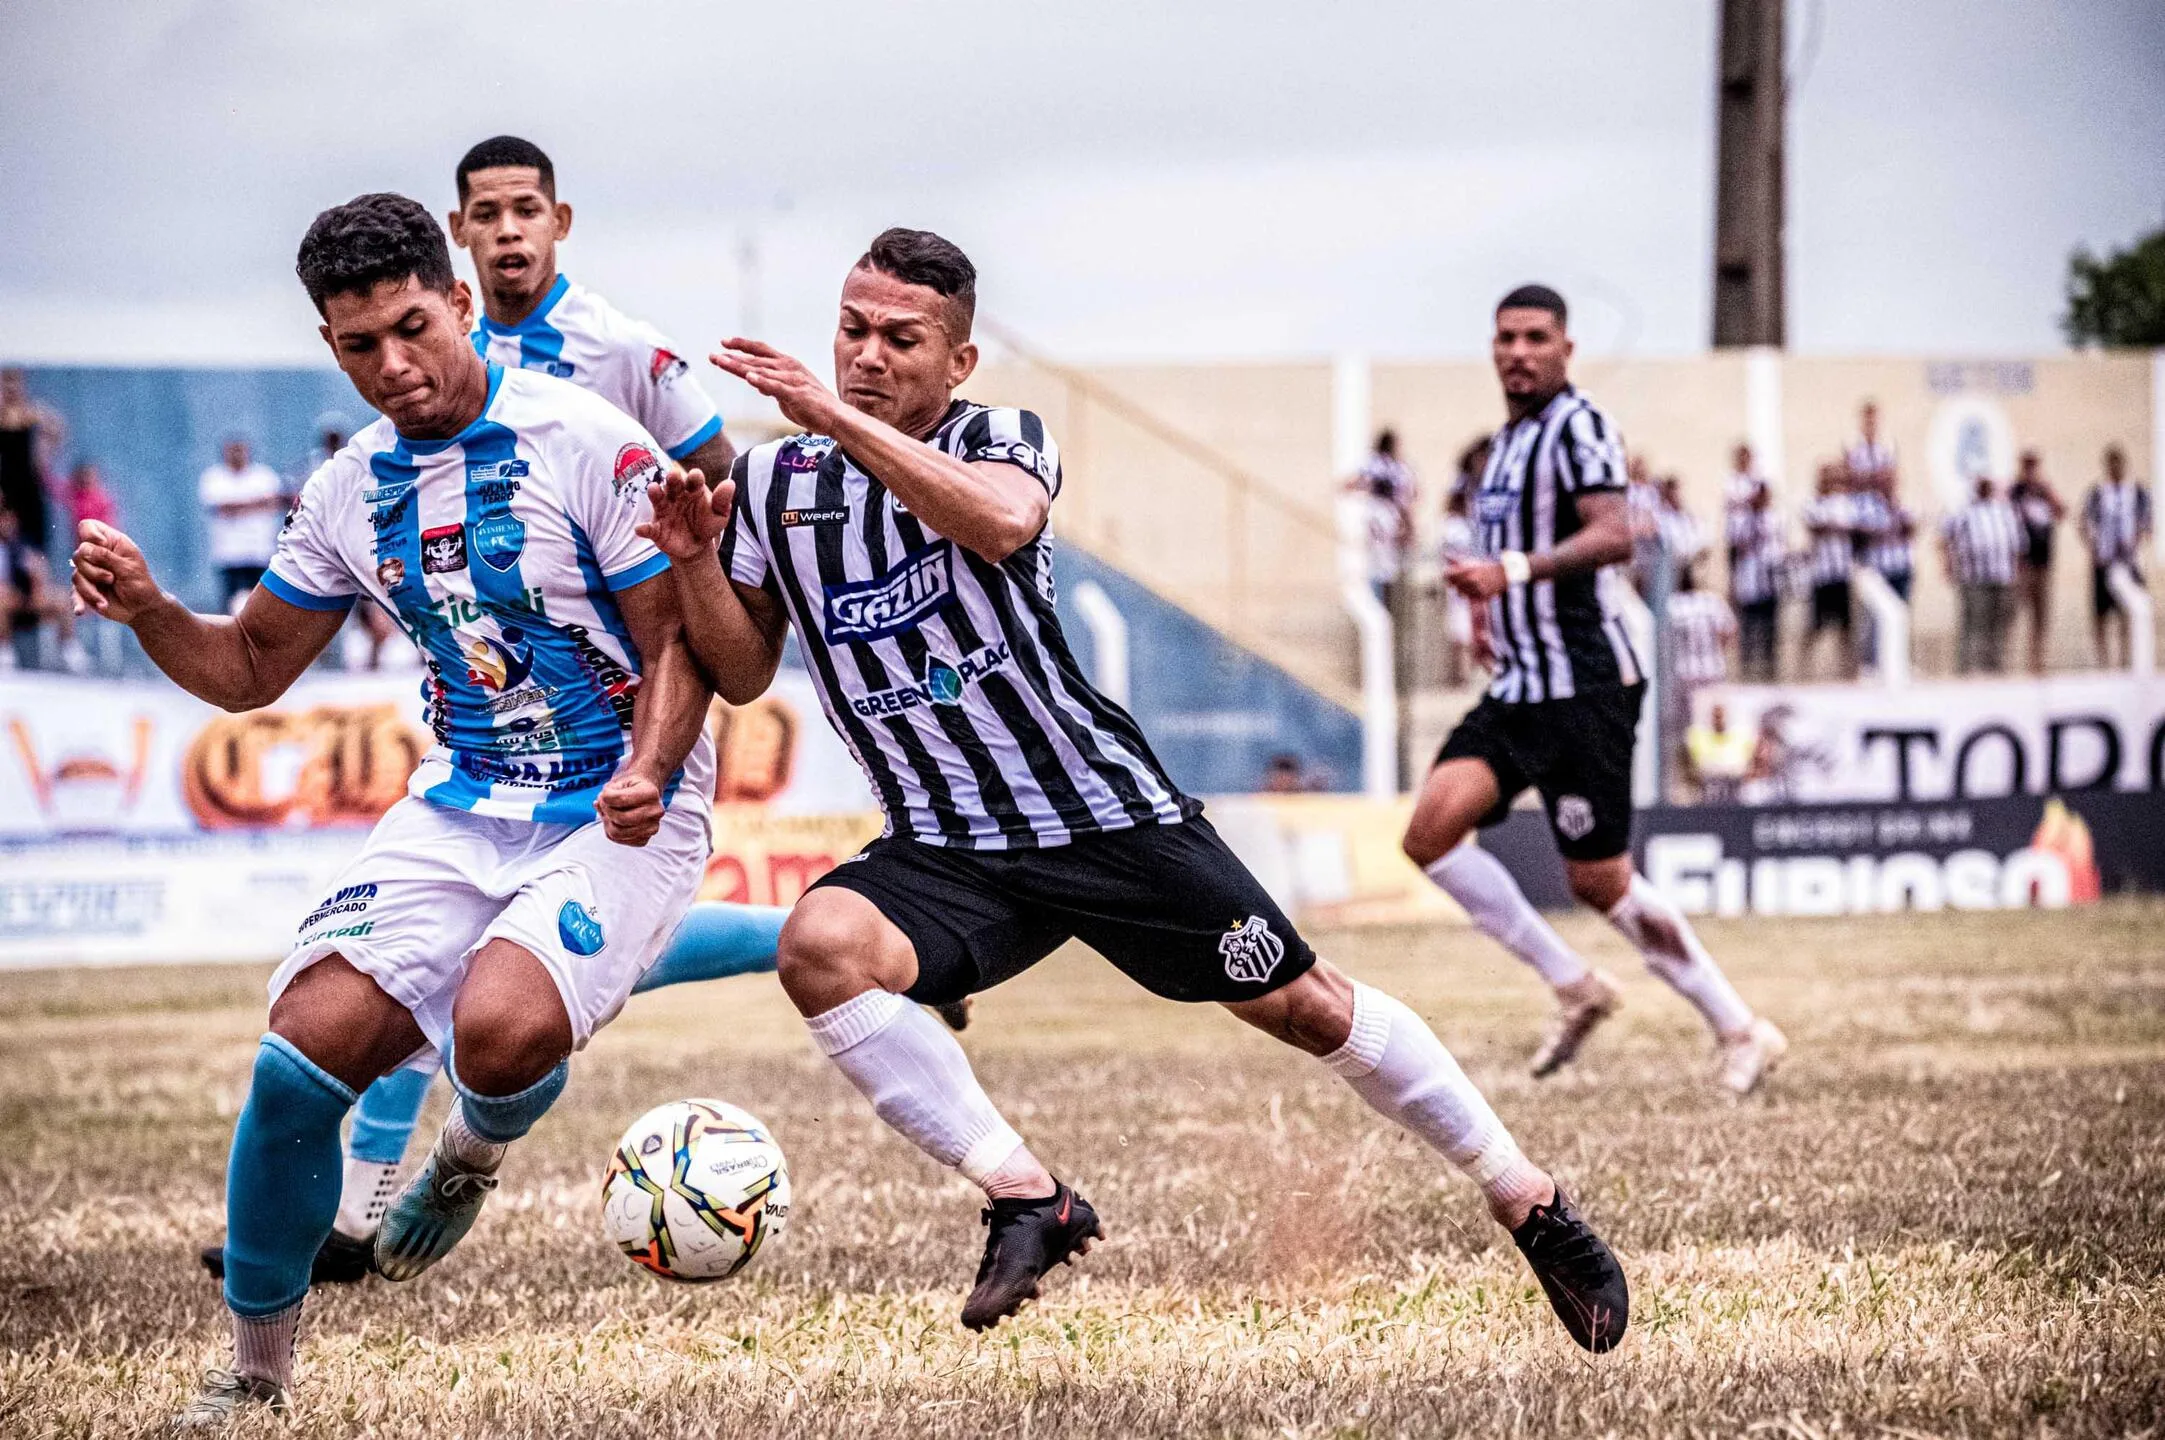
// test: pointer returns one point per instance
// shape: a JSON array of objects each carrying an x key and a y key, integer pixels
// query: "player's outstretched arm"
[
  {"x": 236, "y": 663},
  {"x": 733, "y": 631},
  {"x": 988, "y": 507},
  {"x": 667, "y": 715}
]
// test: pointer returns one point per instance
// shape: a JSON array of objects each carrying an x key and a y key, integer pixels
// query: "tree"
[{"x": 2120, "y": 299}]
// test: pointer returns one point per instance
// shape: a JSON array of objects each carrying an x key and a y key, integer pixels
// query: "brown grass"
[{"x": 1946, "y": 1217}]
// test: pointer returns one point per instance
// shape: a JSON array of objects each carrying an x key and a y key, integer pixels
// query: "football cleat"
[
  {"x": 430, "y": 1216},
  {"x": 1577, "y": 1272},
  {"x": 1028, "y": 1238},
  {"x": 224, "y": 1395},
  {"x": 956, "y": 1013},
  {"x": 1752, "y": 1056},
  {"x": 340, "y": 1260},
  {"x": 1588, "y": 1003}
]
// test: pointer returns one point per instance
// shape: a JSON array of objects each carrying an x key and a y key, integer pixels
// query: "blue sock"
[
  {"x": 716, "y": 940},
  {"x": 501, "y": 1119},
  {"x": 383, "y": 1121},
  {"x": 282, "y": 1179}
]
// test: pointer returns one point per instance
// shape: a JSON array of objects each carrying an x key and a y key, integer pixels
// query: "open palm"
[{"x": 688, "y": 518}]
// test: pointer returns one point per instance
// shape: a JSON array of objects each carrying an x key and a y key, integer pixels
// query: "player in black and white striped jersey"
[
  {"x": 2115, "y": 525},
  {"x": 1561, "y": 714},
  {"x": 1756, "y": 558},
  {"x": 1830, "y": 525},
  {"x": 905, "y": 539}
]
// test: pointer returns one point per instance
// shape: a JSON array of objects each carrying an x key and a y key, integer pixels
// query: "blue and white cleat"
[{"x": 430, "y": 1216}]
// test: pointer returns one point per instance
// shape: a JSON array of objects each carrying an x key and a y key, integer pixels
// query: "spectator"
[
  {"x": 244, "y": 502},
  {"x": 88, "y": 499},
  {"x": 30, "y": 435},
  {"x": 1738, "y": 492},
  {"x": 2038, "y": 506},
  {"x": 1285, "y": 774},
  {"x": 1757, "y": 550},
  {"x": 1681, "y": 533},
  {"x": 1830, "y": 522},
  {"x": 1388, "y": 484},
  {"x": 1869, "y": 459},
  {"x": 1719, "y": 759},
  {"x": 2115, "y": 525},
  {"x": 1982, "y": 543},
  {"x": 30, "y": 599},
  {"x": 1458, "y": 544},
  {"x": 1885, "y": 532},
  {"x": 1700, "y": 629}
]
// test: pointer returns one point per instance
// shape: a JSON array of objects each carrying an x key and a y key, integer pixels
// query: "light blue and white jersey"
[
  {"x": 500, "y": 552},
  {"x": 576, "y": 335}
]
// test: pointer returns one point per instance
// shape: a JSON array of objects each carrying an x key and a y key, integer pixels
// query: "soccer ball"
[{"x": 695, "y": 1188}]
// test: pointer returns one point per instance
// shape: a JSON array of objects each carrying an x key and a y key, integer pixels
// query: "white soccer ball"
[{"x": 695, "y": 1188}]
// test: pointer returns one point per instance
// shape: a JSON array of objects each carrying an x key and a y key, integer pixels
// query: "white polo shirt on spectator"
[{"x": 251, "y": 536}]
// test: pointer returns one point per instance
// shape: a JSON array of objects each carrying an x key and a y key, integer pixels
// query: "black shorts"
[
  {"x": 1830, "y": 606},
  {"x": 1576, "y": 752},
  {"x": 1169, "y": 905}
]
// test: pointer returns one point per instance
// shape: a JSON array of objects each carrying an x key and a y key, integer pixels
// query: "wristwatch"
[{"x": 1517, "y": 569}]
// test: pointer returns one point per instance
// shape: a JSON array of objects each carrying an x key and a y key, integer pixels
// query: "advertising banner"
[{"x": 1947, "y": 740}]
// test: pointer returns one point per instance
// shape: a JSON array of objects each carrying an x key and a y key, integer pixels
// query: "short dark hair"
[
  {"x": 1536, "y": 297},
  {"x": 352, "y": 248},
  {"x": 1387, "y": 442},
  {"x": 919, "y": 257},
  {"x": 498, "y": 151}
]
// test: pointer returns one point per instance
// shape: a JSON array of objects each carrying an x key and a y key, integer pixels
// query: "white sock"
[
  {"x": 1672, "y": 950},
  {"x": 369, "y": 1186},
  {"x": 1395, "y": 1062},
  {"x": 463, "y": 1145},
  {"x": 919, "y": 1081},
  {"x": 263, "y": 1344},
  {"x": 1478, "y": 881}
]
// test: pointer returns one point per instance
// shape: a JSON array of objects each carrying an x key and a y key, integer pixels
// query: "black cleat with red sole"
[
  {"x": 1578, "y": 1272},
  {"x": 1028, "y": 1238}
]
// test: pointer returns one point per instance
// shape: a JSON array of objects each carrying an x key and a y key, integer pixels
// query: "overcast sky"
[{"x": 1135, "y": 180}]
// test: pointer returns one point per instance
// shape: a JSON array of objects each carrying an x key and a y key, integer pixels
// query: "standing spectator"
[
  {"x": 1757, "y": 551},
  {"x": 30, "y": 435},
  {"x": 1886, "y": 532},
  {"x": 1830, "y": 523},
  {"x": 1744, "y": 484},
  {"x": 29, "y": 599},
  {"x": 88, "y": 499},
  {"x": 2115, "y": 525},
  {"x": 1870, "y": 459},
  {"x": 1388, "y": 485},
  {"x": 244, "y": 501},
  {"x": 1718, "y": 759},
  {"x": 1982, "y": 543},
  {"x": 2038, "y": 506},
  {"x": 1459, "y": 543},
  {"x": 1681, "y": 533},
  {"x": 1700, "y": 629}
]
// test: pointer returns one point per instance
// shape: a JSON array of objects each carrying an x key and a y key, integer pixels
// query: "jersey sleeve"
[
  {"x": 306, "y": 569},
  {"x": 670, "y": 402},
  {"x": 1591, "y": 456},
  {"x": 742, "y": 556},
  {"x": 606, "y": 495},
  {"x": 1013, "y": 437}
]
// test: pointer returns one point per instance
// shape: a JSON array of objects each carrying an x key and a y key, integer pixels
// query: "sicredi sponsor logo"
[
  {"x": 897, "y": 601},
  {"x": 943, "y": 684},
  {"x": 1696, "y": 872}
]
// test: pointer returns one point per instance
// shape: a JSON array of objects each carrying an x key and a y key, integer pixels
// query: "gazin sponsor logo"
[{"x": 897, "y": 601}]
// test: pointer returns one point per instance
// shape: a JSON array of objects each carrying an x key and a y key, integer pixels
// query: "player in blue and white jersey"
[
  {"x": 534, "y": 318},
  {"x": 548, "y": 842}
]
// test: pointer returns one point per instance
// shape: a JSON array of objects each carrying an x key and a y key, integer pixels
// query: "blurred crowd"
[{"x": 46, "y": 492}]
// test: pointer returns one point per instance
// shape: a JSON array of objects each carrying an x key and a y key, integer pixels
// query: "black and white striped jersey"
[
  {"x": 946, "y": 676},
  {"x": 1883, "y": 542},
  {"x": 1757, "y": 556},
  {"x": 1563, "y": 637},
  {"x": 1830, "y": 528},
  {"x": 2115, "y": 521},
  {"x": 1985, "y": 539}
]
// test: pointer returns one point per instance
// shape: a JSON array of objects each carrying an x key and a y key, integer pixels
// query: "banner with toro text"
[{"x": 139, "y": 824}]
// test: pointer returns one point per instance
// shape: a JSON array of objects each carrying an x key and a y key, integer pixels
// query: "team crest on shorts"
[
  {"x": 1574, "y": 816},
  {"x": 579, "y": 930},
  {"x": 1251, "y": 951}
]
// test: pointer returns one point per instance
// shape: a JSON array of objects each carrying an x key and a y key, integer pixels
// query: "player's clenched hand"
[
  {"x": 630, "y": 806},
  {"x": 784, "y": 379},
  {"x": 687, "y": 519},
  {"x": 111, "y": 575},
  {"x": 1476, "y": 579}
]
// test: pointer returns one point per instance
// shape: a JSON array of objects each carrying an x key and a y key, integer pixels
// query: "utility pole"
[{"x": 1749, "y": 290}]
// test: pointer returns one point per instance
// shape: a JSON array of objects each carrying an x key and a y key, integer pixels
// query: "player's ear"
[
  {"x": 325, "y": 332},
  {"x": 462, "y": 304},
  {"x": 455, "y": 226},
  {"x": 563, "y": 219},
  {"x": 961, "y": 363}
]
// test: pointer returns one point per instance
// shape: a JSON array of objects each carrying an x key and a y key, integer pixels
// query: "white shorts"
[{"x": 434, "y": 885}]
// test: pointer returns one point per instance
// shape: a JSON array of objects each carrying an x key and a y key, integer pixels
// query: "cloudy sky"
[{"x": 1215, "y": 178}]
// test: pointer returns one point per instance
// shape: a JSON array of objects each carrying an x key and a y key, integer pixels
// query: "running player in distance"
[
  {"x": 549, "y": 840},
  {"x": 905, "y": 538},
  {"x": 534, "y": 318},
  {"x": 1562, "y": 711}
]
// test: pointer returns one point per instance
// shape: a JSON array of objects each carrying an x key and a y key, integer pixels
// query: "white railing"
[
  {"x": 1890, "y": 625},
  {"x": 1379, "y": 663},
  {"x": 2141, "y": 619},
  {"x": 1110, "y": 668}
]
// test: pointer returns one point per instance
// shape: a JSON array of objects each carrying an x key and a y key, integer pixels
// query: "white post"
[
  {"x": 1110, "y": 670},
  {"x": 1379, "y": 679},
  {"x": 1763, "y": 411},
  {"x": 1646, "y": 755},
  {"x": 1890, "y": 624},
  {"x": 1352, "y": 413},
  {"x": 2141, "y": 620}
]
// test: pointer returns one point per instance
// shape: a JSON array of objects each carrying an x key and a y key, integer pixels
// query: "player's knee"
[
  {"x": 1313, "y": 1013},
  {"x": 830, "y": 952},
  {"x": 502, "y": 1046},
  {"x": 1600, "y": 884},
  {"x": 343, "y": 1022}
]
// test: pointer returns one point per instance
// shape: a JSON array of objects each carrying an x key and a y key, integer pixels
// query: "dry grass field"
[{"x": 1946, "y": 1216}]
